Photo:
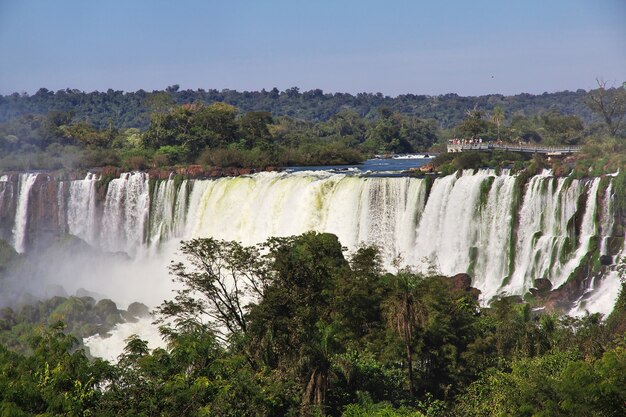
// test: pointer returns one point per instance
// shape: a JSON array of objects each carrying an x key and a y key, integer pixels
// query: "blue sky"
[{"x": 394, "y": 47}]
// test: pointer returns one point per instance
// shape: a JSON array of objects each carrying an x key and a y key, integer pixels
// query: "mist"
[{"x": 80, "y": 270}]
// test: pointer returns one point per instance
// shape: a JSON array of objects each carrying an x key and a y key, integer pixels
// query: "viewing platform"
[{"x": 525, "y": 148}]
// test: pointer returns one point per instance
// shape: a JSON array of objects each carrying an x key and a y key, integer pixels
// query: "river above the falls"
[{"x": 376, "y": 166}]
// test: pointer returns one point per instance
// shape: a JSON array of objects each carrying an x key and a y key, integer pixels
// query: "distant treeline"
[
  {"x": 132, "y": 109},
  {"x": 71, "y": 129}
]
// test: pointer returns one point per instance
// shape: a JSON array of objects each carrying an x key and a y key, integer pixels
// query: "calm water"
[{"x": 375, "y": 166}]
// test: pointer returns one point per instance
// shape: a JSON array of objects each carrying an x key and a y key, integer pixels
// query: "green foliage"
[
  {"x": 379, "y": 410},
  {"x": 561, "y": 129},
  {"x": 448, "y": 163},
  {"x": 292, "y": 327},
  {"x": 70, "y": 129},
  {"x": 133, "y": 109},
  {"x": 83, "y": 315},
  {"x": 557, "y": 384},
  {"x": 474, "y": 125},
  {"x": 171, "y": 155}
]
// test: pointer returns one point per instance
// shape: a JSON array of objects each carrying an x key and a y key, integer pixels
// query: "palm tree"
[
  {"x": 406, "y": 314},
  {"x": 497, "y": 116},
  {"x": 316, "y": 360}
]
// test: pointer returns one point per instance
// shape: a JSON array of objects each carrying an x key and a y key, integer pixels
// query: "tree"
[
  {"x": 609, "y": 104},
  {"x": 194, "y": 126},
  {"x": 253, "y": 127},
  {"x": 159, "y": 102},
  {"x": 561, "y": 128},
  {"x": 559, "y": 383},
  {"x": 497, "y": 116},
  {"x": 292, "y": 328},
  {"x": 406, "y": 316},
  {"x": 221, "y": 276},
  {"x": 474, "y": 124}
]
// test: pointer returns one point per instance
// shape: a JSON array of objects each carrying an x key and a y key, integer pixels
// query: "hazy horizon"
[{"x": 30, "y": 93}]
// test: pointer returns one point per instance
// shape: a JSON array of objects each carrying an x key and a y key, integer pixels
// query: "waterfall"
[
  {"x": 180, "y": 209},
  {"x": 588, "y": 231},
  {"x": 109, "y": 347},
  {"x": 26, "y": 182},
  {"x": 601, "y": 297},
  {"x": 547, "y": 208},
  {"x": 81, "y": 209},
  {"x": 126, "y": 211},
  {"x": 608, "y": 219},
  {"x": 162, "y": 212},
  {"x": 482, "y": 223},
  {"x": 382, "y": 211},
  {"x": 465, "y": 222},
  {"x": 495, "y": 237}
]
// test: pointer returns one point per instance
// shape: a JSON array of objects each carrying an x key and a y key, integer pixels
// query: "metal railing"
[{"x": 548, "y": 150}]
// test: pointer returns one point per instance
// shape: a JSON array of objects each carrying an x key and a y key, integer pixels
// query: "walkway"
[{"x": 490, "y": 146}]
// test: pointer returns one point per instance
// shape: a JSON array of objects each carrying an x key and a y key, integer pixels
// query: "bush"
[{"x": 171, "y": 155}]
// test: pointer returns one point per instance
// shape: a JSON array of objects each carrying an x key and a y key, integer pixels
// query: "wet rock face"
[
  {"x": 139, "y": 310},
  {"x": 8, "y": 202},
  {"x": 461, "y": 282},
  {"x": 606, "y": 260},
  {"x": 562, "y": 298},
  {"x": 543, "y": 285}
]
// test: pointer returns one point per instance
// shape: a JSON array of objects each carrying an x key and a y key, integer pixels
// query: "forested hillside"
[
  {"x": 70, "y": 129},
  {"x": 132, "y": 109}
]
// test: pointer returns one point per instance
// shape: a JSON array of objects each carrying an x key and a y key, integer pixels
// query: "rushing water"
[
  {"x": 26, "y": 182},
  {"x": 126, "y": 211},
  {"x": 109, "y": 348},
  {"x": 472, "y": 222},
  {"x": 479, "y": 222}
]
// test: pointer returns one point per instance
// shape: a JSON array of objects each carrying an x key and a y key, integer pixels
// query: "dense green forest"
[
  {"x": 301, "y": 330},
  {"x": 132, "y": 109},
  {"x": 74, "y": 130}
]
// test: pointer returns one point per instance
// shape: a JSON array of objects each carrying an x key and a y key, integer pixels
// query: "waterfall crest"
[{"x": 503, "y": 233}]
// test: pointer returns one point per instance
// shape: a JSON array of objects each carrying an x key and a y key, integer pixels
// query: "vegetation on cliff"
[{"x": 301, "y": 330}]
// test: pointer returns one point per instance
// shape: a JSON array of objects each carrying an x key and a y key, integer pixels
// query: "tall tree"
[
  {"x": 221, "y": 276},
  {"x": 497, "y": 116},
  {"x": 608, "y": 103},
  {"x": 473, "y": 125},
  {"x": 406, "y": 315}
]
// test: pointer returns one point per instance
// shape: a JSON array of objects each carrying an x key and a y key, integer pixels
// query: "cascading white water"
[
  {"x": 548, "y": 207},
  {"x": 587, "y": 231},
  {"x": 608, "y": 219},
  {"x": 162, "y": 212},
  {"x": 462, "y": 224},
  {"x": 495, "y": 237},
  {"x": 126, "y": 211},
  {"x": 81, "y": 209},
  {"x": 381, "y": 211},
  {"x": 25, "y": 184},
  {"x": 180, "y": 209},
  {"x": 110, "y": 347},
  {"x": 469, "y": 222},
  {"x": 601, "y": 297}
]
